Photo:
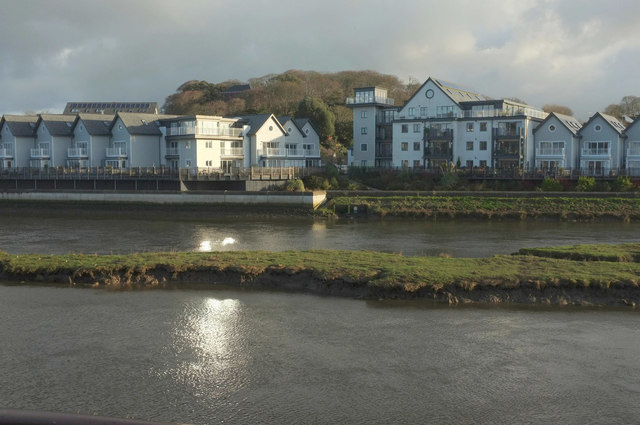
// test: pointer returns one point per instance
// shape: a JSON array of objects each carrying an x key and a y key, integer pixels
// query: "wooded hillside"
[{"x": 291, "y": 93}]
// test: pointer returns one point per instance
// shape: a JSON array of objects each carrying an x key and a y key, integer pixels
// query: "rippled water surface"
[
  {"x": 259, "y": 357},
  {"x": 42, "y": 233}
]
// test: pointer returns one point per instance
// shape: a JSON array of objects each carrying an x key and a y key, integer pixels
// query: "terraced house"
[{"x": 130, "y": 139}]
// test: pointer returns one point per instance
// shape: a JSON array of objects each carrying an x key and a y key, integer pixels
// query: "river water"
[{"x": 219, "y": 356}]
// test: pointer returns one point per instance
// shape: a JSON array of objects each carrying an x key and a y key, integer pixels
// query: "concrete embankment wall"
[
  {"x": 297, "y": 199},
  {"x": 488, "y": 194}
]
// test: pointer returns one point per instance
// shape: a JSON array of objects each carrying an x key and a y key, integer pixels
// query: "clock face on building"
[{"x": 429, "y": 94}]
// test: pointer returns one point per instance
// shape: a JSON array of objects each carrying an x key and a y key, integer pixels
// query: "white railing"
[
  {"x": 172, "y": 151},
  {"x": 633, "y": 151},
  {"x": 596, "y": 152},
  {"x": 272, "y": 152},
  {"x": 117, "y": 152},
  {"x": 77, "y": 152},
  {"x": 294, "y": 153},
  {"x": 39, "y": 153},
  {"x": 374, "y": 99},
  {"x": 550, "y": 152},
  {"x": 231, "y": 151},
  {"x": 6, "y": 153},
  {"x": 214, "y": 131},
  {"x": 312, "y": 152}
]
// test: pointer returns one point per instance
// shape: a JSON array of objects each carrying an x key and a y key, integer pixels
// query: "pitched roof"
[
  {"x": 142, "y": 124},
  {"x": 285, "y": 119},
  {"x": 571, "y": 123},
  {"x": 304, "y": 121},
  {"x": 612, "y": 121},
  {"x": 96, "y": 124},
  {"x": 20, "y": 125},
  {"x": 57, "y": 124},
  {"x": 459, "y": 93},
  {"x": 111, "y": 107},
  {"x": 256, "y": 122}
]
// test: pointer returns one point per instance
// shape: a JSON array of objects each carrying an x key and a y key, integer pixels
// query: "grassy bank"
[
  {"x": 516, "y": 278},
  {"x": 561, "y": 208}
]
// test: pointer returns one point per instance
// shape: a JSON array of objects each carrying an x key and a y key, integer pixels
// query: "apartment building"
[{"x": 442, "y": 124}]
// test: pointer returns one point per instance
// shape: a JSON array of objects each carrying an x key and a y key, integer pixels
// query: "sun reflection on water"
[{"x": 207, "y": 348}]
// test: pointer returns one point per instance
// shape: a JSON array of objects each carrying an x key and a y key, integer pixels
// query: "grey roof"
[
  {"x": 612, "y": 121},
  {"x": 238, "y": 88},
  {"x": 57, "y": 124},
  {"x": 571, "y": 123},
  {"x": 142, "y": 124},
  {"x": 96, "y": 124},
  {"x": 301, "y": 122},
  {"x": 283, "y": 120},
  {"x": 257, "y": 121},
  {"x": 459, "y": 93},
  {"x": 20, "y": 125}
]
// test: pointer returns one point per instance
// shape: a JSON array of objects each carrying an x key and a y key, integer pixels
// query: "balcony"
[
  {"x": 295, "y": 153},
  {"x": 372, "y": 100},
  {"x": 633, "y": 151},
  {"x": 272, "y": 152},
  {"x": 442, "y": 150},
  {"x": 172, "y": 152},
  {"x": 199, "y": 131},
  {"x": 312, "y": 153},
  {"x": 507, "y": 150},
  {"x": 596, "y": 152},
  {"x": 116, "y": 152},
  {"x": 40, "y": 153},
  {"x": 77, "y": 153},
  {"x": 550, "y": 152},
  {"x": 232, "y": 151},
  {"x": 508, "y": 133},
  {"x": 6, "y": 153},
  {"x": 438, "y": 134}
]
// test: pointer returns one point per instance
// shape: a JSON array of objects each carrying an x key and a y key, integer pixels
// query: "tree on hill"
[
  {"x": 320, "y": 115},
  {"x": 629, "y": 106},
  {"x": 558, "y": 109}
]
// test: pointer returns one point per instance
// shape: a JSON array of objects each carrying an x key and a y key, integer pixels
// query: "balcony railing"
[
  {"x": 232, "y": 152},
  {"x": 374, "y": 99},
  {"x": 40, "y": 153},
  {"x": 6, "y": 153},
  {"x": 272, "y": 152},
  {"x": 434, "y": 134},
  {"x": 507, "y": 132},
  {"x": 437, "y": 153},
  {"x": 294, "y": 153},
  {"x": 550, "y": 152},
  {"x": 199, "y": 131},
  {"x": 633, "y": 151},
  {"x": 77, "y": 152},
  {"x": 314, "y": 153},
  {"x": 116, "y": 152},
  {"x": 172, "y": 152},
  {"x": 602, "y": 152}
]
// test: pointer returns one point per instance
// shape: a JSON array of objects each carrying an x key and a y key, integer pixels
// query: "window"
[
  {"x": 188, "y": 162},
  {"x": 598, "y": 128},
  {"x": 469, "y": 126},
  {"x": 469, "y": 146},
  {"x": 412, "y": 112},
  {"x": 483, "y": 126},
  {"x": 416, "y": 163},
  {"x": 363, "y": 163},
  {"x": 405, "y": 163},
  {"x": 363, "y": 114},
  {"x": 416, "y": 146},
  {"x": 405, "y": 128},
  {"x": 363, "y": 147},
  {"x": 187, "y": 145},
  {"x": 404, "y": 146},
  {"x": 208, "y": 163},
  {"x": 469, "y": 164},
  {"x": 208, "y": 144},
  {"x": 416, "y": 128},
  {"x": 483, "y": 145},
  {"x": 363, "y": 130},
  {"x": 423, "y": 111},
  {"x": 483, "y": 163},
  {"x": 552, "y": 128}
]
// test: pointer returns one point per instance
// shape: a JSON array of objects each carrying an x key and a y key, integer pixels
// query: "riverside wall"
[{"x": 309, "y": 200}]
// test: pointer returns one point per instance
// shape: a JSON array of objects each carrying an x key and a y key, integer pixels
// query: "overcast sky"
[{"x": 584, "y": 54}]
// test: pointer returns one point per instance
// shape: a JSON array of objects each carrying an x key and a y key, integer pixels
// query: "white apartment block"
[{"x": 441, "y": 125}]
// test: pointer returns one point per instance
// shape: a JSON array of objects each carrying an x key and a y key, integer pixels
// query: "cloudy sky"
[{"x": 584, "y": 54}]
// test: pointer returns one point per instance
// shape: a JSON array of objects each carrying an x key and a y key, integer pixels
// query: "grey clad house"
[
  {"x": 16, "y": 140},
  {"x": 601, "y": 145},
  {"x": 632, "y": 151},
  {"x": 557, "y": 143}
]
